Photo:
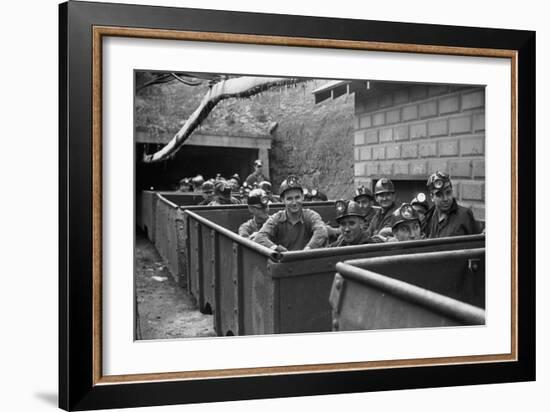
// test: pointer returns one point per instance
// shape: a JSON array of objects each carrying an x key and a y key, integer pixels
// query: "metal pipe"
[
  {"x": 164, "y": 200},
  {"x": 373, "y": 247},
  {"x": 453, "y": 308},
  {"x": 373, "y": 262}
]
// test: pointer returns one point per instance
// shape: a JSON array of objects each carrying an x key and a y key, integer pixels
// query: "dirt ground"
[{"x": 166, "y": 310}]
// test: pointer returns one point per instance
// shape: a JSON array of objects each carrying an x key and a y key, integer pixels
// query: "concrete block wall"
[{"x": 410, "y": 132}]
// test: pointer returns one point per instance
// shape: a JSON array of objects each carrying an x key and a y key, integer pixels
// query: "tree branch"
[{"x": 237, "y": 87}]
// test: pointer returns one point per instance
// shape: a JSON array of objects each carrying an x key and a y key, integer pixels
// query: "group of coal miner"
[{"x": 367, "y": 217}]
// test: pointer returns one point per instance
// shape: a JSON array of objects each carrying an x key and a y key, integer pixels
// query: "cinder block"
[
  {"x": 438, "y": 128},
  {"x": 479, "y": 168},
  {"x": 365, "y": 121},
  {"x": 360, "y": 102},
  {"x": 385, "y": 100},
  {"x": 401, "y": 133},
  {"x": 472, "y": 146},
  {"x": 378, "y": 119},
  {"x": 437, "y": 164},
  {"x": 449, "y": 104},
  {"x": 362, "y": 180},
  {"x": 428, "y": 149},
  {"x": 393, "y": 151},
  {"x": 409, "y": 151},
  {"x": 473, "y": 100},
  {"x": 365, "y": 153},
  {"x": 418, "y": 168},
  {"x": 461, "y": 168},
  {"x": 386, "y": 169},
  {"x": 472, "y": 190},
  {"x": 400, "y": 96},
  {"x": 371, "y": 104},
  {"x": 356, "y": 123},
  {"x": 386, "y": 135},
  {"x": 437, "y": 89},
  {"x": 371, "y": 169},
  {"x": 461, "y": 125},
  {"x": 359, "y": 138},
  {"x": 418, "y": 131},
  {"x": 418, "y": 92},
  {"x": 401, "y": 168},
  {"x": 356, "y": 154},
  {"x": 371, "y": 137},
  {"x": 479, "y": 122},
  {"x": 393, "y": 116},
  {"x": 359, "y": 169},
  {"x": 379, "y": 153},
  {"x": 448, "y": 148},
  {"x": 410, "y": 113},
  {"x": 428, "y": 109}
]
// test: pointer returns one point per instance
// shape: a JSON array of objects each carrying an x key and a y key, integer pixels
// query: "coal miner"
[
  {"x": 197, "y": 182},
  {"x": 293, "y": 228},
  {"x": 405, "y": 224},
  {"x": 256, "y": 177},
  {"x": 447, "y": 217},
  {"x": 315, "y": 195},
  {"x": 207, "y": 193},
  {"x": 258, "y": 206},
  {"x": 420, "y": 204},
  {"x": 365, "y": 200},
  {"x": 266, "y": 186},
  {"x": 349, "y": 216},
  {"x": 222, "y": 194},
  {"x": 384, "y": 193}
]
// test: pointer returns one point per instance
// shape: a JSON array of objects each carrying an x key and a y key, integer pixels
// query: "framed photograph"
[{"x": 256, "y": 206}]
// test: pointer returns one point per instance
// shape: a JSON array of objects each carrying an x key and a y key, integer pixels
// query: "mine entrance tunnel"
[{"x": 192, "y": 160}]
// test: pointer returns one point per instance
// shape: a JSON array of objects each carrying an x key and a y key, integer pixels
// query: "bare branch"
[{"x": 237, "y": 87}]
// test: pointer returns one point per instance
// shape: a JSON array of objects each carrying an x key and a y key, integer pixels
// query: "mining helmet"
[
  {"x": 346, "y": 208},
  {"x": 257, "y": 198},
  {"x": 222, "y": 188},
  {"x": 316, "y": 194},
  {"x": 362, "y": 191},
  {"x": 207, "y": 186},
  {"x": 421, "y": 200},
  {"x": 384, "y": 185},
  {"x": 439, "y": 181},
  {"x": 244, "y": 190},
  {"x": 265, "y": 185},
  {"x": 404, "y": 213},
  {"x": 198, "y": 180},
  {"x": 291, "y": 182}
]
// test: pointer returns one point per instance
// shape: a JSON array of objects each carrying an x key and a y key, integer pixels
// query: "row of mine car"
[{"x": 251, "y": 289}]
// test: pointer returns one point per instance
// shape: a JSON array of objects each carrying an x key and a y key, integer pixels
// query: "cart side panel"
[
  {"x": 257, "y": 295},
  {"x": 304, "y": 303},
  {"x": 366, "y": 308}
]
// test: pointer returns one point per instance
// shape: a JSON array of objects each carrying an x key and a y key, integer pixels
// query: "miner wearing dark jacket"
[
  {"x": 384, "y": 193},
  {"x": 258, "y": 207},
  {"x": 447, "y": 217},
  {"x": 293, "y": 228},
  {"x": 365, "y": 200},
  {"x": 349, "y": 216}
]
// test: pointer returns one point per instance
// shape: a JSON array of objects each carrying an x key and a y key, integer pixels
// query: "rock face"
[{"x": 312, "y": 141}]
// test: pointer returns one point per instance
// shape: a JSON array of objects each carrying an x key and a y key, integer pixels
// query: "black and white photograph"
[
  {"x": 289, "y": 205},
  {"x": 275, "y": 206}
]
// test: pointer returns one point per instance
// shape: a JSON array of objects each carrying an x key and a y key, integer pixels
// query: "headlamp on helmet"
[{"x": 346, "y": 208}]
